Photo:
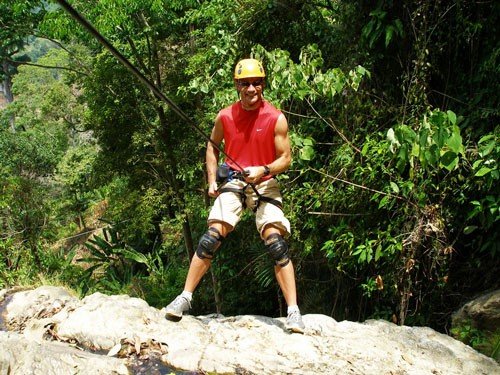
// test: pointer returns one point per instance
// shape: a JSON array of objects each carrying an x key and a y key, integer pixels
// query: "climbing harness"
[
  {"x": 226, "y": 174},
  {"x": 247, "y": 66}
]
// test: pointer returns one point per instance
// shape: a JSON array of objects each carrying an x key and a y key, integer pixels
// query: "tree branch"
[
  {"x": 17, "y": 63},
  {"x": 361, "y": 186},
  {"x": 137, "y": 55},
  {"x": 333, "y": 214},
  {"x": 334, "y": 128},
  {"x": 62, "y": 46}
]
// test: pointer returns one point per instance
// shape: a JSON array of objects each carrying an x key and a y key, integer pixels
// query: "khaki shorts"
[{"x": 228, "y": 206}]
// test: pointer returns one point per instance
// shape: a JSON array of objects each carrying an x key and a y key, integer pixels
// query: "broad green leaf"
[
  {"x": 365, "y": 149},
  {"x": 449, "y": 160},
  {"x": 383, "y": 202},
  {"x": 389, "y": 31},
  {"x": 378, "y": 252},
  {"x": 307, "y": 153},
  {"x": 369, "y": 255},
  {"x": 483, "y": 171},
  {"x": 477, "y": 163},
  {"x": 394, "y": 187},
  {"x": 361, "y": 70},
  {"x": 469, "y": 229},
  {"x": 452, "y": 117},
  {"x": 455, "y": 143},
  {"x": 95, "y": 251},
  {"x": 423, "y": 137},
  {"x": 486, "y": 138},
  {"x": 433, "y": 154},
  {"x": 399, "y": 26},
  {"x": 487, "y": 144},
  {"x": 302, "y": 93},
  {"x": 204, "y": 88},
  {"x": 308, "y": 142},
  {"x": 415, "y": 150},
  {"x": 135, "y": 255}
]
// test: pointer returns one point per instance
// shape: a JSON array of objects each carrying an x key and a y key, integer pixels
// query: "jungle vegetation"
[{"x": 393, "y": 109}]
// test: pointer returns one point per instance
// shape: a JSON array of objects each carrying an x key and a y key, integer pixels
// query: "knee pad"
[
  {"x": 209, "y": 242},
  {"x": 278, "y": 249}
]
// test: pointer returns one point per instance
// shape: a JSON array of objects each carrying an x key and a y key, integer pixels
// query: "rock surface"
[
  {"x": 21, "y": 355},
  {"x": 483, "y": 312},
  {"x": 47, "y": 326}
]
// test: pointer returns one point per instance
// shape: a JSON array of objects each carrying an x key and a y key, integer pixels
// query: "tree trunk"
[
  {"x": 7, "y": 88},
  {"x": 171, "y": 177},
  {"x": 215, "y": 283},
  {"x": 188, "y": 238}
]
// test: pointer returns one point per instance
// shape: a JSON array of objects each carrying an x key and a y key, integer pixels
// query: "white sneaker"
[
  {"x": 177, "y": 307},
  {"x": 294, "y": 322}
]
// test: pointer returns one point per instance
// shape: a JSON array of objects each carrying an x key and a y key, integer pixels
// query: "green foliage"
[
  {"x": 380, "y": 28},
  {"x": 18, "y": 18},
  {"x": 436, "y": 143},
  {"x": 483, "y": 210},
  {"x": 487, "y": 163},
  {"x": 30, "y": 153},
  {"x": 483, "y": 341},
  {"x": 74, "y": 172},
  {"x": 305, "y": 80},
  {"x": 113, "y": 266},
  {"x": 468, "y": 334},
  {"x": 110, "y": 263},
  {"x": 303, "y": 147}
]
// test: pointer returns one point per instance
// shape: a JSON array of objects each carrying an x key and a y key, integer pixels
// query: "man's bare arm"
[
  {"x": 282, "y": 144},
  {"x": 212, "y": 156}
]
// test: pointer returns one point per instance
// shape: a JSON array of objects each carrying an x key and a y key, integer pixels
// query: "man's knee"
[
  {"x": 209, "y": 243},
  {"x": 278, "y": 249}
]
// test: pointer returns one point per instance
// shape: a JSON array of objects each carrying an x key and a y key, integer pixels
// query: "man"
[{"x": 256, "y": 141}]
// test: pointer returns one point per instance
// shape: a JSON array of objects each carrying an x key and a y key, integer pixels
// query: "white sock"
[
  {"x": 187, "y": 295},
  {"x": 293, "y": 308}
]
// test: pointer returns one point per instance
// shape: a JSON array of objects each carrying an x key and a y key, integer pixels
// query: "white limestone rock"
[{"x": 248, "y": 344}]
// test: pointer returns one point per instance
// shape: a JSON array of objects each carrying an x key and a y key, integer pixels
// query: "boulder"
[
  {"x": 129, "y": 329},
  {"x": 21, "y": 355},
  {"x": 483, "y": 312}
]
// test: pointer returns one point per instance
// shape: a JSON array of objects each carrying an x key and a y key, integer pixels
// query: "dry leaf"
[
  {"x": 114, "y": 350},
  {"x": 137, "y": 345}
]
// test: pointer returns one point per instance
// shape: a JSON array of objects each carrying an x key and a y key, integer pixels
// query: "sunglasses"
[{"x": 255, "y": 83}]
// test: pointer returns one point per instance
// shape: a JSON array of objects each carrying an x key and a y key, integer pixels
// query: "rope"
[{"x": 92, "y": 30}]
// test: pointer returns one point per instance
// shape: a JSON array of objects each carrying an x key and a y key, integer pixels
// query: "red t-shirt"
[{"x": 249, "y": 135}]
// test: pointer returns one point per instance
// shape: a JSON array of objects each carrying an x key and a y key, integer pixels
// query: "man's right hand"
[{"x": 212, "y": 189}]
